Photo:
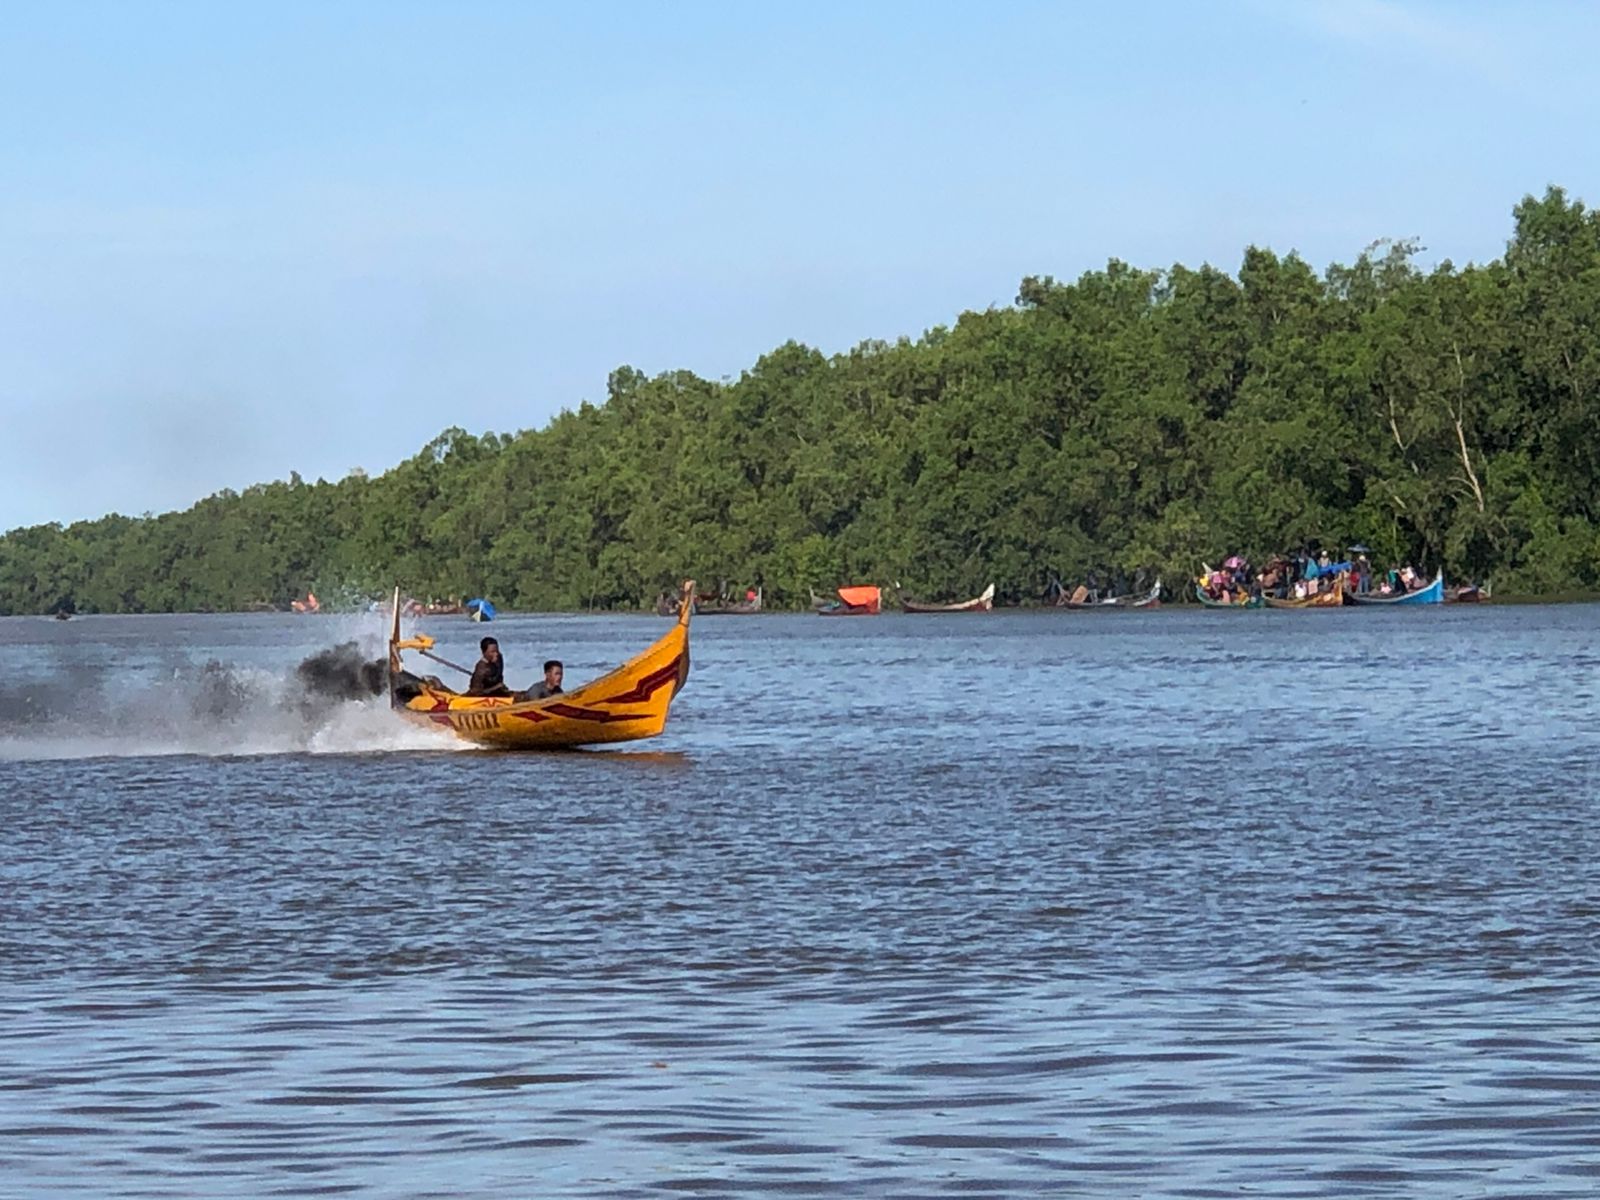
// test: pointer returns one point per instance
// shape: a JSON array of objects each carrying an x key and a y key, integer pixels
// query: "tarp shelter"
[
  {"x": 1313, "y": 569},
  {"x": 862, "y": 597}
]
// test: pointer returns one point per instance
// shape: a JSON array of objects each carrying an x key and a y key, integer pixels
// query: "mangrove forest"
[{"x": 1128, "y": 421}]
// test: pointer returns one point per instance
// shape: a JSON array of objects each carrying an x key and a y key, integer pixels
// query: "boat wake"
[{"x": 334, "y": 702}]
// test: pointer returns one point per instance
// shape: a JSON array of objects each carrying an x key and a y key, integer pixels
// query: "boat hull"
[
  {"x": 1150, "y": 599},
  {"x": 982, "y": 603},
  {"x": 1432, "y": 594},
  {"x": 1332, "y": 598},
  {"x": 737, "y": 608},
  {"x": 1207, "y": 602}
]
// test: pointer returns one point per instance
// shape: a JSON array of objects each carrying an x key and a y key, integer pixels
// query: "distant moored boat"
[
  {"x": 1332, "y": 597},
  {"x": 1244, "y": 600},
  {"x": 1433, "y": 593},
  {"x": 724, "y": 606},
  {"x": 852, "y": 602},
  {"x": 1468, "y": 593},
  {"x": 1079, "y": 598},
  {"x": 980, "y": 603}
]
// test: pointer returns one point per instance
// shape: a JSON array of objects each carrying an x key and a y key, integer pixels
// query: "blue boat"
[
  {"x": 480, "y": 610},
  {"x": 1432, "y": 594}
]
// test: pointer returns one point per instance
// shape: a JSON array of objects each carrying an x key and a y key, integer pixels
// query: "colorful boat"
[
  {"x": 982, "y": 603},
  {"x": 1244, "y": 601},
  {"x": 1433, "y": 593},
  {"x": 1332, "y": 597},
  {"x": 624, "y": 705},
  {"x": 1079, "y": 599},
  {"x": 852, "y": 602}
]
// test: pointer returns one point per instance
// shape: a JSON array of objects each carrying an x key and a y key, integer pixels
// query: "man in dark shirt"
[
  {"x": 489, "y": 676},
  {"x": 550, "y": 685}
]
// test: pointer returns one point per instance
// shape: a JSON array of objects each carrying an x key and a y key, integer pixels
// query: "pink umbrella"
[{"x": 1233, "y": 561}]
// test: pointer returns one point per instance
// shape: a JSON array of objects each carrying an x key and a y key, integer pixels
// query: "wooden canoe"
[
  {"x": 623, "y": 705},
  {"x": 983, "y": 603},
  {"x": 1150, "y": 599},
  {"x": 728, "y": 608}
]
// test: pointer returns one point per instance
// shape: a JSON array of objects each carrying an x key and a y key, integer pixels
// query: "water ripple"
[{"x": 1158, "y": 906}]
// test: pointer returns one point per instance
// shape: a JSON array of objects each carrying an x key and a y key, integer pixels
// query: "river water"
[{"x": 1177, "y": 903}]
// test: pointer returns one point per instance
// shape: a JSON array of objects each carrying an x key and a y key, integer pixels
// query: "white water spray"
[{"x": 325, "y": 705}]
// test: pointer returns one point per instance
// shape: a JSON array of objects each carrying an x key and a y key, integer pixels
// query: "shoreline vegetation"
[{"x": 1133, "y": 420}]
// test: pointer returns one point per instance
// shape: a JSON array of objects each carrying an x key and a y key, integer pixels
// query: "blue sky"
[{"x": 238, "y": 240}]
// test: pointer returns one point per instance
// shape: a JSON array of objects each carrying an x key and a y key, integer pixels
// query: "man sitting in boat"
[
  {"x": 550, "y": 685},
  {"x": 489, "y": 676}
]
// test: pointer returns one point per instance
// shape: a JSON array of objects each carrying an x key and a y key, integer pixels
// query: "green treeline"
[{"x": 1130, "y": 420}]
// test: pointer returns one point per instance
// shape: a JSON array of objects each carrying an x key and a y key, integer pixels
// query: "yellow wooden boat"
[{"x": 621, "y": 706}]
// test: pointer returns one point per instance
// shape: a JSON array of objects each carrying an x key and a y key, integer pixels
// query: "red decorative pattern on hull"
[
  {"x": 648, "y": 686},
  {"x": 574, "y": 713}
]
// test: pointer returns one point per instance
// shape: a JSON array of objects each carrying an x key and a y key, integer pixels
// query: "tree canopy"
[{"x": 1129, "y": 420}]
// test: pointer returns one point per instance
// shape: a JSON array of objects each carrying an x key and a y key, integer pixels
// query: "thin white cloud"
[{"x": 1446, "y": 38}]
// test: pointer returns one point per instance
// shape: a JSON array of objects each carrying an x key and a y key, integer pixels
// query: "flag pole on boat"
[{"x": 421, "y": 644}]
